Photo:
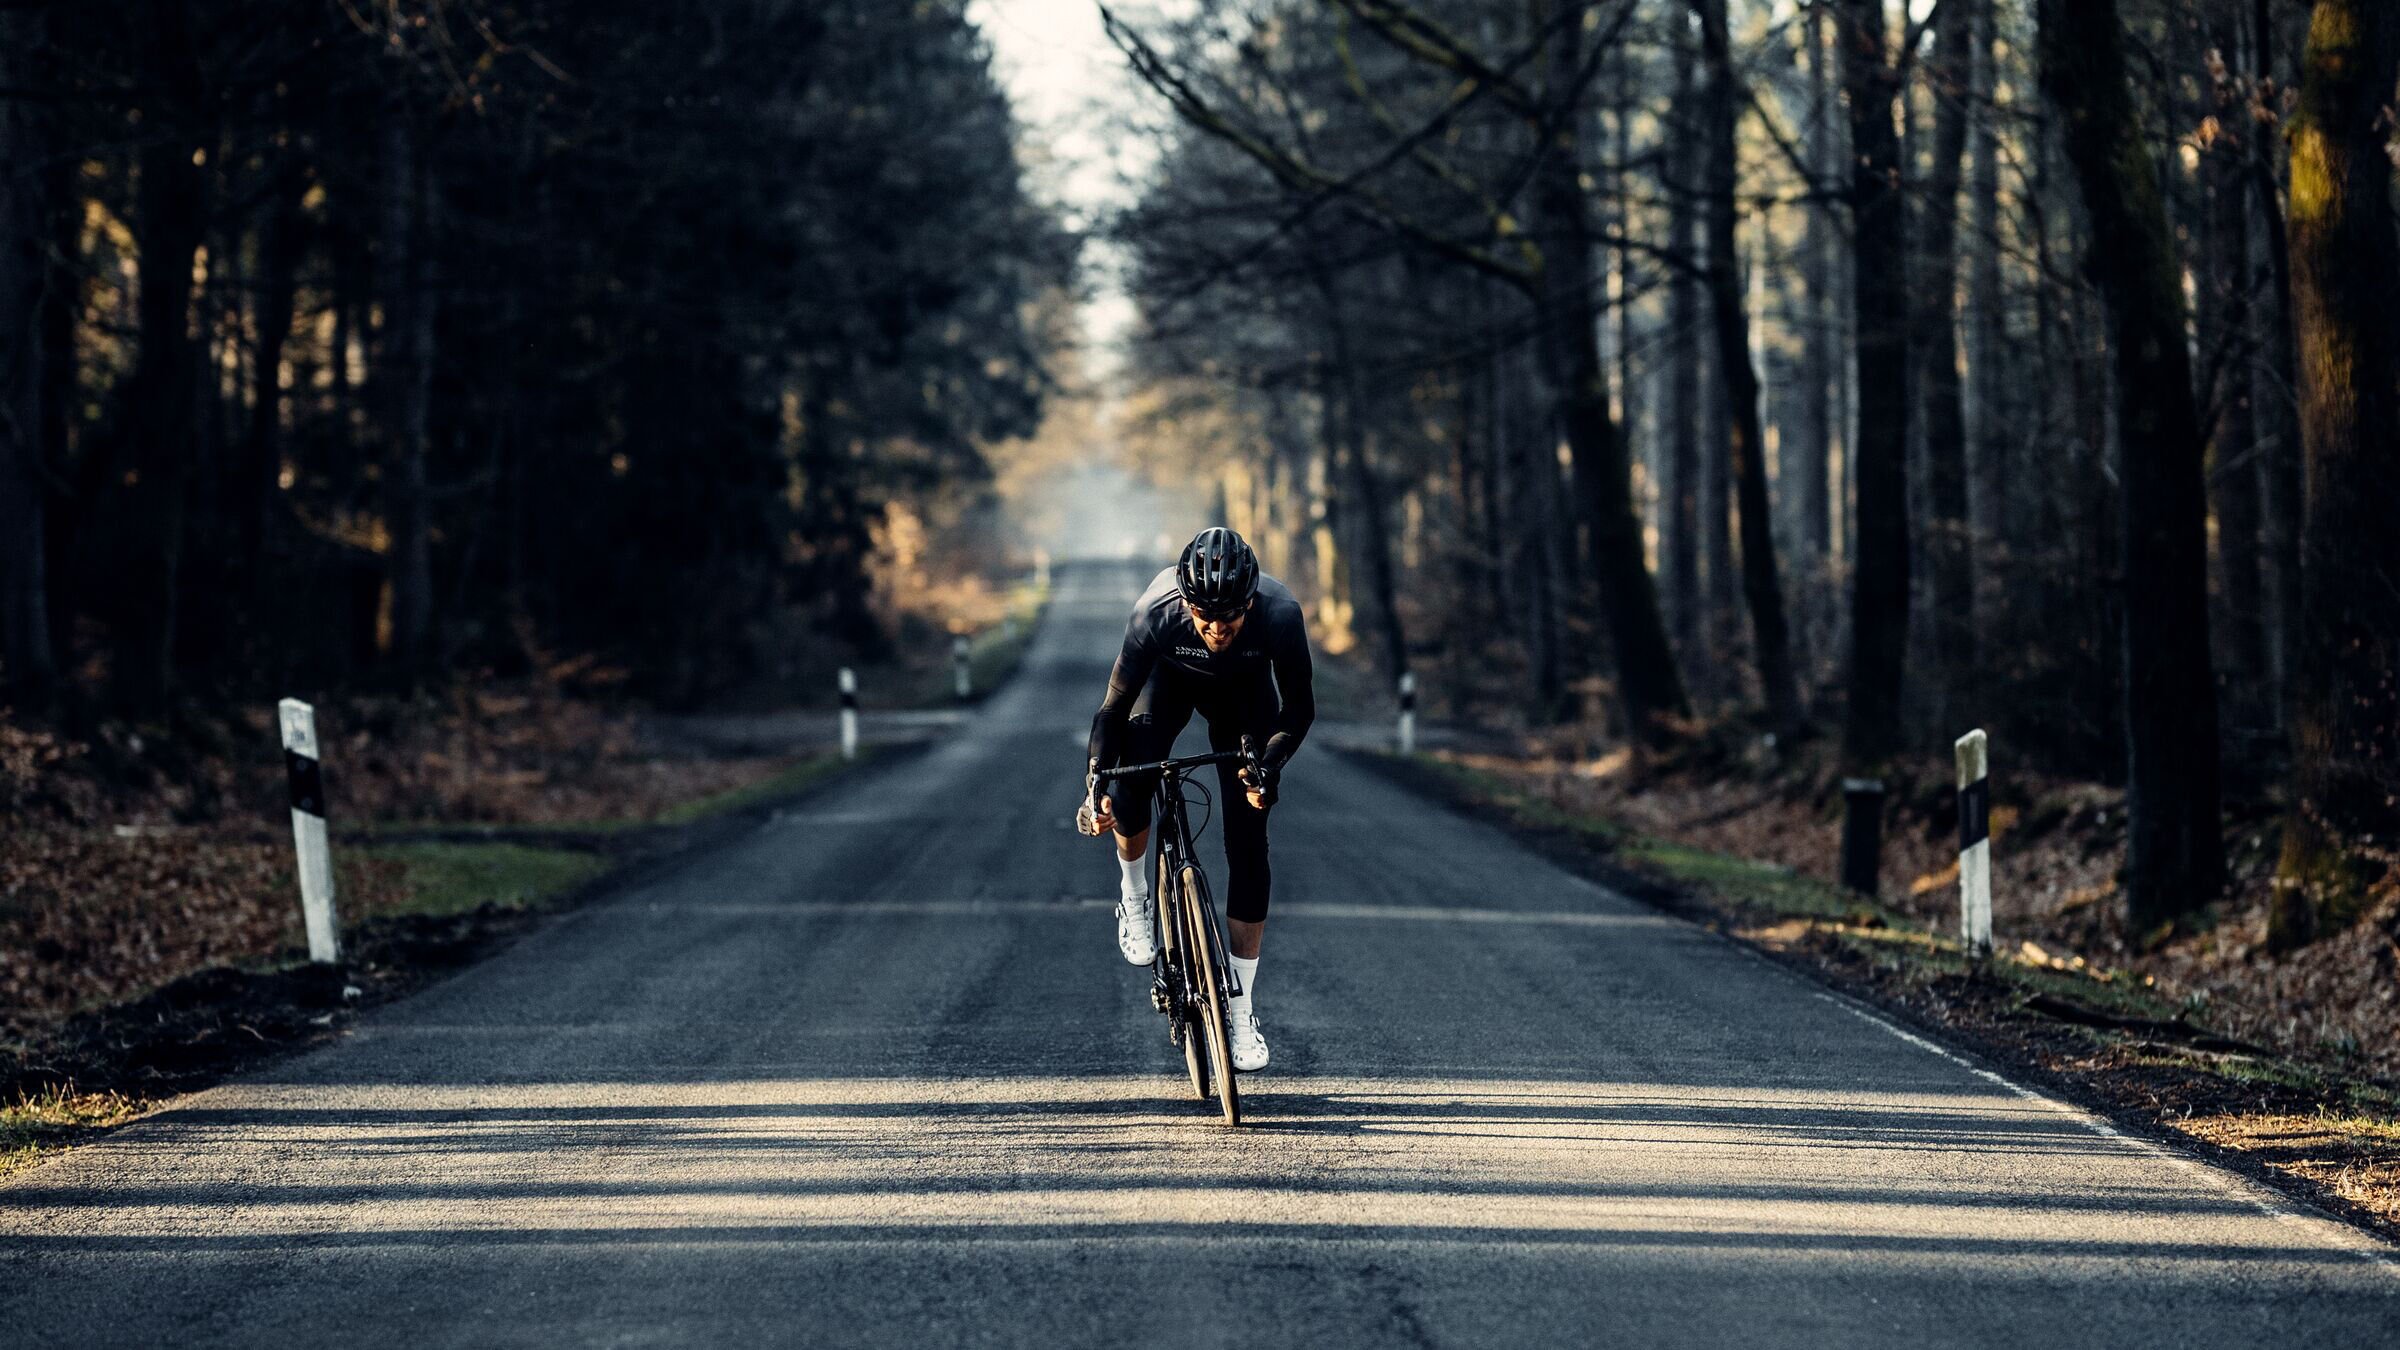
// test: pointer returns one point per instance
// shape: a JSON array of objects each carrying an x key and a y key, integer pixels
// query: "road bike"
[{"x": 1191, "y": 977}]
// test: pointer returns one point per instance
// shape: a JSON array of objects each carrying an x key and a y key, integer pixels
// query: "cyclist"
[{"x": 1212, "y": 636}]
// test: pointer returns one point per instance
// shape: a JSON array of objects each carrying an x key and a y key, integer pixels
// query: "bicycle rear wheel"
[{"x": 1208, "y": 954}]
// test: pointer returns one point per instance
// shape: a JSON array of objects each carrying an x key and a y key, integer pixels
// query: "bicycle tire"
[
  {"x": 1167, "y": 913},
  {"x": 1206, "y": 951}
]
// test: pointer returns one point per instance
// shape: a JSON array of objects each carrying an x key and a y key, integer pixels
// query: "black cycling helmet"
[{"x": 1217, "y": 573}]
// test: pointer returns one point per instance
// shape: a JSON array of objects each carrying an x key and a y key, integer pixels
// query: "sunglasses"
[{"x": 1216, "y": 615}]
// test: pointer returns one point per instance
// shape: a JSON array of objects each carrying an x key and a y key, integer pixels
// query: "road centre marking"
[
  {"x": 1306, "y": 909},
  {"x": 1002, "y": 907}
]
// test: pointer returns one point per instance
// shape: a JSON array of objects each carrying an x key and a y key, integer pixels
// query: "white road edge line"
[
  {"x": 2367, "y": 1246},
  {"x": 2240, "y": 1188}
]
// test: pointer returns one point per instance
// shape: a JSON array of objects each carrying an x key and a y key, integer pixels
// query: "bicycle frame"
[{"x": 1190, "y": 986}]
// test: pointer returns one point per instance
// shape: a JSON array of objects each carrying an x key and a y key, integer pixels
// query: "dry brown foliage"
[{"x": 117, "y": 877}]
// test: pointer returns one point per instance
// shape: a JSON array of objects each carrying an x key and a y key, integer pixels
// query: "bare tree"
[
  {"x": 1744, "y": 449},
  {"x": 1949, "y": 542},
  {"x": 1879, "y": 297},
  {"x": 27, "y": 148},
  {"x": 1548, "y": 258},
  {"x": 2175, "y": 861}
]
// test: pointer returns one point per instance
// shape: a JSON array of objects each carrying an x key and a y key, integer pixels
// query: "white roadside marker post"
[
  {"x": 960, "y": 679},
  {"x": 1408, "y": 712},
  {"x": 1974, "y": 844},
  {"x": 305, "y": 769},
  {"x": 849, "y": 713}
]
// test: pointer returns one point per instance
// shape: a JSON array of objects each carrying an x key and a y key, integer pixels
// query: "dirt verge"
[{"x": 2324, "y": 1134}]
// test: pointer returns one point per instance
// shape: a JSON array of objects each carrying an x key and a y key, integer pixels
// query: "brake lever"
[{"x": 1087, "y": 815}]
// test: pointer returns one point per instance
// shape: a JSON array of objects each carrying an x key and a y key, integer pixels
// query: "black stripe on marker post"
[
  {"x": 307, "y": 778},
  {"x": 849, "y": 700},
  {"x": 1974, "y": 813}
]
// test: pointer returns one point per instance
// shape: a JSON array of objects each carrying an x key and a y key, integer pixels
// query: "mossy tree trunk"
[{"x": 2339, "y": 835}]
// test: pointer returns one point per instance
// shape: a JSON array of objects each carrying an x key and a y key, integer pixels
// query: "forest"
[
  {"x": 1832, "y": 374},
  {"x": 384, "y": 343},
  {"x": 1852, "y": 373}
]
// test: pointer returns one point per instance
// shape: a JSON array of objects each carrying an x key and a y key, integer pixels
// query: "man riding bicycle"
[{"x": 1212, "y": 636}]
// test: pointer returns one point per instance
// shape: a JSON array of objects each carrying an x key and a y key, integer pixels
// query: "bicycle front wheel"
[
  {"x": 1181, "y": 974},
  {"x": 1208, "y": 955}
]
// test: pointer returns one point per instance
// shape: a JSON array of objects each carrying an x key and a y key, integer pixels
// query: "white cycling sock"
[
  {"x": 1245, "y": 973},
  {"x": 1137, "y": 882}
]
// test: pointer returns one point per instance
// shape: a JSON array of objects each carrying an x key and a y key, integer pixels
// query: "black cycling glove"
[{"x": 1261, "y": 777}]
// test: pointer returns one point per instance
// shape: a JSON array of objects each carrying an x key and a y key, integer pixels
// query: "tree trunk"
[
  {"x": 1524, "y": 560},
  {"x": 1629, "y": 407},
  {"x": 2175, "y": 861},
  {"x": 2225, "y": 325},
  {"x": 161, "y": 393},
  {"x": 2272, "y": 401},
  {"x": 1814, "y": 467},
  {"x": 1879, "y": 290},
  {"x": 27, "y": 669},
  {"x": 262, "y": 451},
  {"x": 1987, "y": 356},
  {"x": 1347, "y": 441},
  {"x": 834, "y": 522},
  {"x": 62, "y": 436},
  {"x": 405, "y": 375},
  {"x": 1649, "y": 683},
  {"x": 1717, "y": 638},
  {"x": 1679, "y": 494},
  {"x": 1762, "y": 587},
  {"x": 1949, "y": 542},
  {"x": 2345, "y": 713}
]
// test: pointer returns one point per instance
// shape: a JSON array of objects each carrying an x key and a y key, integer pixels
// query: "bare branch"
[{"x": 1289, "y": 169}]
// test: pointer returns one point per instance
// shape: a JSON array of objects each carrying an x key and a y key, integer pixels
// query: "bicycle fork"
[{"x": 1164, "y": 996}]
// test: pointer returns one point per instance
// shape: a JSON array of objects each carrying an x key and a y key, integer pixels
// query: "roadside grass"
[
  {"x": 1524, "y": 807},
  {"x": 1754, "y": 885},
  {"x": 783, "y": 783},
  {"x": 50, "y": 1121},
  {"x": 458, "y": 878},
  {"x": 377, "y": 829}
]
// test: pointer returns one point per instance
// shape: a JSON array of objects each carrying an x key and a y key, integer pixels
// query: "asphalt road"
[{"x": 874, "y": 1075}]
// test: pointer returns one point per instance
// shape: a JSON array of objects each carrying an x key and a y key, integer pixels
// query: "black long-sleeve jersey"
[{"x": 1267, "y": 666}]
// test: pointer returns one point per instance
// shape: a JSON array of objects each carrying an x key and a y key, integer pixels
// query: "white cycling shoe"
[
  {"x": 1249, "y": 1046},
  {"x": 1134, "y": 935}
]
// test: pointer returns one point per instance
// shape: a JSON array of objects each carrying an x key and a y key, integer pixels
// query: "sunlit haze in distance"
[
  {"x": 1085, "y": 132},
  {"x": 1076, "y": 101}
]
